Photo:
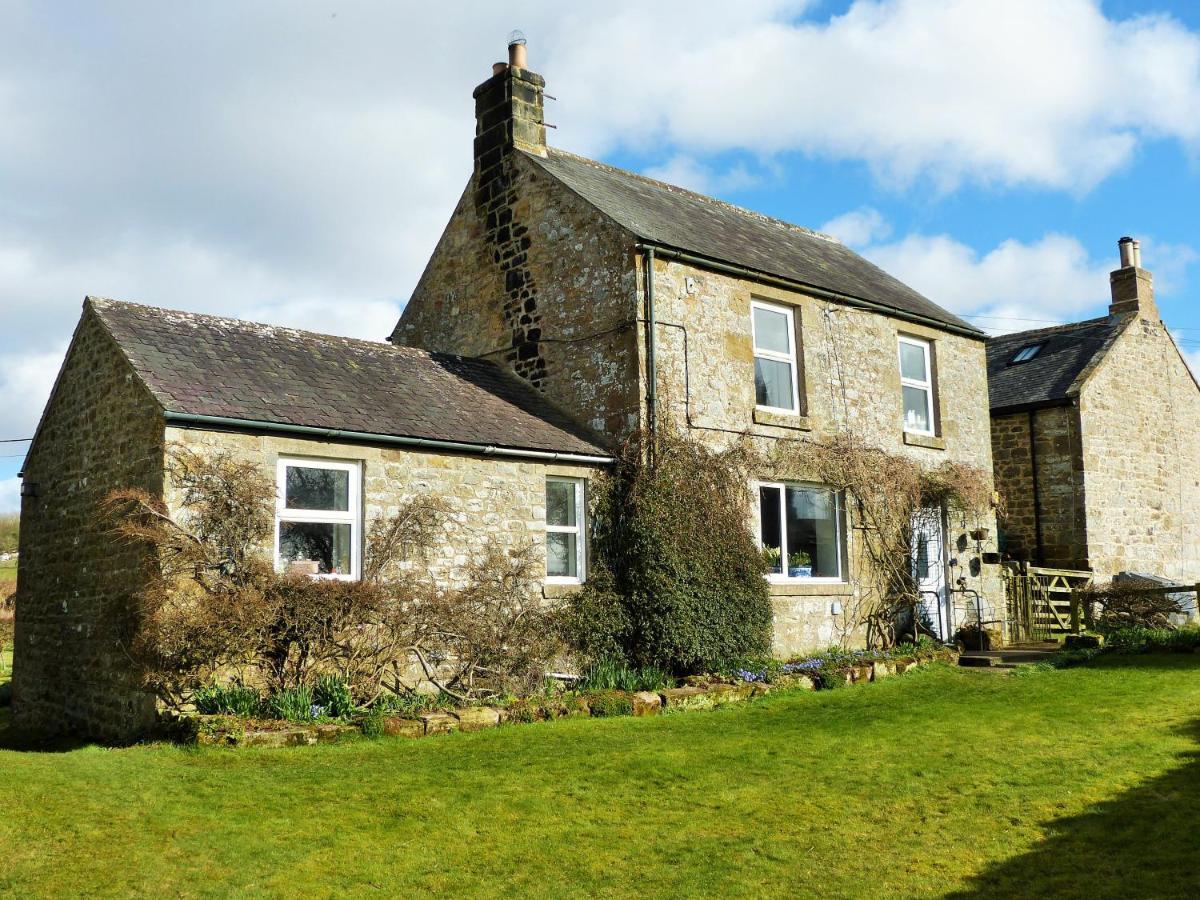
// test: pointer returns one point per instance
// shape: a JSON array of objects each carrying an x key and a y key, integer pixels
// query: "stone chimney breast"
[
  {"x": 1131, "y": 286},
  {"x": 509, "y": 110}
]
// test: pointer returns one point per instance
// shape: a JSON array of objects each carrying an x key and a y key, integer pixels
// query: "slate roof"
[
  {"x": 1046, "y": 379},
  {"x": 208, "y": 365},
  {"x": 673, "y": 217}
]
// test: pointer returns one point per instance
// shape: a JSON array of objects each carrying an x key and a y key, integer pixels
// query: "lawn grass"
[
  {"x": 8, "y": 576},
  {"x": 1080, "y": 782}
]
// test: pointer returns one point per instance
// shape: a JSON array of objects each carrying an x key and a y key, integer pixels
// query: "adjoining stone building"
[
  {"x": 568, "y": 305},
  {"x": 1093, "y": 439}
]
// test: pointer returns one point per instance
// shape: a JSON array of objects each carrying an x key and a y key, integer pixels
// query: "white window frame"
[
  {"x": 352, "y": 517},
  {"x": 776, "y": 356},
  {"x": 926, "y": 385},
  {"x": 577, "y": 529},
  {"x": 782, "y": 486}
]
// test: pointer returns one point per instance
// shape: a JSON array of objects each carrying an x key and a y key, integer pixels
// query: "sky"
[{"x": 295, "y": 162}]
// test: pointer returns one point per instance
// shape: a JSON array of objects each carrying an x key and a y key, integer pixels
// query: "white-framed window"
[
  {"x": 776, "y": 375},
  {"x": 317, "y": 517},
  {"x": 916, "y": 385},
  {"x": 565, "y": 536},
  {"x": 800, "y": 529}
]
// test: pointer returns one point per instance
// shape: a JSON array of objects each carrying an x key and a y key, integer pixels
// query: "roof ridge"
[
  {"x": 1052, "y": 329},
  {"x": 706, "y": 198},
  {"x": 211, "y": 318}
]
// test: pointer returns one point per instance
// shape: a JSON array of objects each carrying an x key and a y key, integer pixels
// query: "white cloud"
[
  {"x": 25, "y": 382},
  {"x": 686, "y": 171},
  {"x": 859, "y": 227},
  {"x": 1016, "y": 285},
  {"x": 10, "y": 495},
  {"x": 1043, "y": 92},
  {"x": 273, "y": 160}
]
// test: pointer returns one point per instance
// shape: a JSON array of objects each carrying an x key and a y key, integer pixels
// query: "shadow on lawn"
[{"x": 1140, "y": 844}]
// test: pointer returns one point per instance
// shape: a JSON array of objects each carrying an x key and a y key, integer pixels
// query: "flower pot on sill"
[
  {"x": 799, "y": 571},
  {"x": 979, "y": 534}
]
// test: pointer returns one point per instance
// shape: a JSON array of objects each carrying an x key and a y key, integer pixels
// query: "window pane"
[
  {"x": 324, "y": 543},
  {"x": 562, "y": 556},
  {"x": 773, "y": 383},
  {"x": 771, "y": 331},
  {"x": 812, "y": 527},
  {"x": 916, "y": 409},
  {"x": 325, "y": 489},
  {"x": 768, "y": 509},
  {"x": 912, "y": 362},
  {"x": 560, "y": 503}
]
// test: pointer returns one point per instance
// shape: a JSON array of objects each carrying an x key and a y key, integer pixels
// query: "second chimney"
[{"x": 1132, "y": 287}]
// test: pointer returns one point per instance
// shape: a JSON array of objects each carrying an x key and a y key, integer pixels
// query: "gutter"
[
  {"x": 651, "y": 344},
  {"x": 810, "y": 289},
  {"x": 195, "y": 420}
]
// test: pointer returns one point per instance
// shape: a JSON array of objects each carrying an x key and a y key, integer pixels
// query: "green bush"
[
  {"x": 409, "y": 705},
  {"x": 678, "y": 582},
  {"x": 332, "y": 694},
  {"x": 606, "y": 704},
  {"x": 293, "y": 704},
  {"x": 1139, "y": 639},
  {"x": 228, "y": 700}
]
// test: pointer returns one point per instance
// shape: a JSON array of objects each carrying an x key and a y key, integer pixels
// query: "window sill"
[
  {"x": 794, "y": 421},
  {"x": 930, "y": 441},
  {"x": 558, "y": 590},
  {"x": 817, "y": 589}
]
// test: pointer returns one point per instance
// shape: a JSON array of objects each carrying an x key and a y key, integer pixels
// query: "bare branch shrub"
[
  {"x": 1116, "y": 606},
  {"x": 886, "y": 495},
  {"x": 215, "y": 606}
]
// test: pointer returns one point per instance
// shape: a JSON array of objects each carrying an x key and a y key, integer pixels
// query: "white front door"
[{"x": 929, "y": 571}]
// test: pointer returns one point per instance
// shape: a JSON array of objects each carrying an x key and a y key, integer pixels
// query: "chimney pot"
[
  {"x": 497, "y": 68},
  {"x": 1125, "y": 246},
  {"x": 516, "y": 50}
]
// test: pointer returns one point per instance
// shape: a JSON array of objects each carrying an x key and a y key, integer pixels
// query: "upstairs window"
[
  {"x": 317, "y": 514},
  {"x": 1025, "y": 354},
  {"x": 800, "y": 530},
  {"x": 775, "y": 375},
  {"x": 916, "y": 385},
  {"x": 564, "y": 530}
]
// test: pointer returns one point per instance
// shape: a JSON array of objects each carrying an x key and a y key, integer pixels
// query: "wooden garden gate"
[{"x": 1039, "y": 602}]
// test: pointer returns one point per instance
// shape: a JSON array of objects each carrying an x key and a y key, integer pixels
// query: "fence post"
[{"x": 1074, "y": 611}]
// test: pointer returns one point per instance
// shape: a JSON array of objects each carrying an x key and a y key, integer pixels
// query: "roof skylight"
[{"x": 1026, "y": 353}]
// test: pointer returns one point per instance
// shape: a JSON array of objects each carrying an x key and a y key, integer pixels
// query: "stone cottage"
[
  {"x": 567, "y": 305},
  {"x": 630, "y": 302},
  {"x": 1093, "y": 439}
]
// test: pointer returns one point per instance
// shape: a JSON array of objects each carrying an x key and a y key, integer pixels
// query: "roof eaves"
[{"x": 964, "y": 330}]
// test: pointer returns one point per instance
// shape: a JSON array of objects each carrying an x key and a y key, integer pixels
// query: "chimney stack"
[
  {"x": 1132, "y": 287},
  {"x": 508, "y": 111}
]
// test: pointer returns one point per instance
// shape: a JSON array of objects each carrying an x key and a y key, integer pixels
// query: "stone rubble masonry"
[
  {"x": 102, "y": 430},
  {"x": 535, "y": 280},
  {"x": 1139, "y": 411},
  {"x": 1061, "y": 501},
  {"x": 489, "y": 498},
  {"x": 849, "y": 379}
]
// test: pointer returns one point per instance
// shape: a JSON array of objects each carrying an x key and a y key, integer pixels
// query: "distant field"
[{"x": 8, "y": 574}]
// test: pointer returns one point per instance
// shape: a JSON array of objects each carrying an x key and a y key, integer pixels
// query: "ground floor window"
[
  {"x": 317, "y": 515},
  {"x": 800, "y": 528},
  {"x": 564, "y": 530}
]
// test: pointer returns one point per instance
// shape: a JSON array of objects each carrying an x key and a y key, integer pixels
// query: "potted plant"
[
  {"x": 799, "y": 564},
  {"x": 772, "y": 555}
]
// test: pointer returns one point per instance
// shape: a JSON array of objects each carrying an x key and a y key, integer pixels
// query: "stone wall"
[
  {"x": 1139, "y": 411},
  {"x": 101, "y": 430},
  {"x": 850, "y": 380},
  {"x": 1059, "y": 487},
  {"x": 562, "y": 316},
  {"x": 490, "y": 498}
]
